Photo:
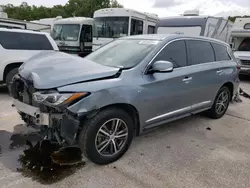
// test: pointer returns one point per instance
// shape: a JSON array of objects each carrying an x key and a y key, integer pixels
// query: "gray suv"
[{"x": 130, "y": 85}]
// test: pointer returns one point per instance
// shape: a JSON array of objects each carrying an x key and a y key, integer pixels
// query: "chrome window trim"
[{"x": 185, "y": 39}]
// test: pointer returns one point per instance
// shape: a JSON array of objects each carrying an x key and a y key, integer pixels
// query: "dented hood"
[{"x": 54, "y": 69}]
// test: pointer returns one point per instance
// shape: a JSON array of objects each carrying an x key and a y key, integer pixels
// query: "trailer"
[
  {"x": 10, "y": 23},
  {"x": 241, "y": 43},
  {"x": 191, "y": 23},
  {"x": 112, "y": 23}
]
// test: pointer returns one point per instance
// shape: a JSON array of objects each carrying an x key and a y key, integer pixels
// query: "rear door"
[{"x": 202, "y": 69}]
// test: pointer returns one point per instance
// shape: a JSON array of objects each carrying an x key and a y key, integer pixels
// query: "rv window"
[
  {"x": 151, "y": 29},
  {"x": 111, "y": 27},
  {"x": 136, "y": 27},
  {"x": 247, "y": 26},
  {"x": 245, "y": 45},
  {"x": 199, "y": 52},
  {"x": 24, "y": 41},
  {"x": 67, "y": 32},
  {"x": 175, "y": 52},
  {"x": 221, "y": 53}
]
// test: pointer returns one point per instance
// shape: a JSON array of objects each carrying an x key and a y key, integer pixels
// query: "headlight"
[{"x": 57, "y": 98}]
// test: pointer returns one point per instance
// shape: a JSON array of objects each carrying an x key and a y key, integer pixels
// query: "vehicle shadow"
[
  {"x": 31, "y": 162},
  {"x": 3, "y": 89},
  {"x": 244, "y": 78}
]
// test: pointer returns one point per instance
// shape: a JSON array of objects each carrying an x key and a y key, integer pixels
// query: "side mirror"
[{"x": 161, "y": 67}]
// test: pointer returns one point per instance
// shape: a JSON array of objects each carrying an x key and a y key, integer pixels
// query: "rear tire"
[
  {"x": 9, "y": 78},
  {"x": 221, "y": 103},
  {"x": 101, "y": 142}
]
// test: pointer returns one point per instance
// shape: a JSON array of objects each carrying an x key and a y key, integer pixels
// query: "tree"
[{"x": 84, "y": 8}]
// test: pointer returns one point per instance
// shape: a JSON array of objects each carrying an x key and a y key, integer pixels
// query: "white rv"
[
  {"x": 6, "y": 22},
  {"x": 73, "y": 35},
  {"x": 190, "y": 23},
  {"x": 111, "y": 23},
  {"x": 241, "y": 43}
]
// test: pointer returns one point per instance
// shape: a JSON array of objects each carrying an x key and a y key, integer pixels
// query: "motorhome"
[
  {"x": 241, "y": 43},
  {"x": 73, "y": 35},
  {"x": 191, "y": 23},
  {"x": 111, "y": 23},
  {"x": 10, "y": 23}
]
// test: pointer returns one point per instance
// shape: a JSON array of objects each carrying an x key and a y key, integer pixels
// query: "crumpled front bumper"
[
  {"x": 39, "y": 117},
  {"x": 63, "y": 127}
]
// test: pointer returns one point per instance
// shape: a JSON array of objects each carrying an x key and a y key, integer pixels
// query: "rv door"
[{"x": 86, "y": 40}]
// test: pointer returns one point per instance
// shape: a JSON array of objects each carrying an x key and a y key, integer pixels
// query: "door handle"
[
  {"x": 219, "y": 71},
  {"x": 187, "y": 79}
]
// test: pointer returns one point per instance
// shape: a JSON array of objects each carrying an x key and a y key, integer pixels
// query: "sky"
[{"x": 168, "y": 7}]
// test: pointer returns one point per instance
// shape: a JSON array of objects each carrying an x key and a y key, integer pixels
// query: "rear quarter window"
[
  {"x": 199, "y": 52},
  {"x": 24, "y": 41},
  {"x": 221, "y": 53}
]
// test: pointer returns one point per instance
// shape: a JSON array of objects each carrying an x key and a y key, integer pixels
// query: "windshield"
[
  {"x": 245, "y": 45},
  {"x": 192, "y": 31},
  {"x": 66, "y": 32},
  {"x": 111, "y": 27},
  {"x": 123, "y": 53}
]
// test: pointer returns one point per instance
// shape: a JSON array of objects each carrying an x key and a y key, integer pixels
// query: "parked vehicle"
[
  {"x": 241, "y": 43},
  {"x": 17, "y": 46},
  {"x": 100, "y": 101},
  {"x": 112, "y": 23},
  {"x": 191, "y": 23},
  {"x": 10, "y": 23},
  {"x": 73, "y": 35}
]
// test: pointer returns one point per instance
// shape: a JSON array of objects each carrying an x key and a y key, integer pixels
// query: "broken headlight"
[{"x": 58, "y": 98}]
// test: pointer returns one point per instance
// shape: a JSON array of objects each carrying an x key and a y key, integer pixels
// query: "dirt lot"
[{"x": 185, "y": 153}]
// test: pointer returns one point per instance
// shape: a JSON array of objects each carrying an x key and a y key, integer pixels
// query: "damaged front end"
[{"x": 47, "y": 110}]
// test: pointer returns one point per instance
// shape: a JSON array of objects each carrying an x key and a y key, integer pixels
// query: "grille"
[{"x": 245, "y": 62}]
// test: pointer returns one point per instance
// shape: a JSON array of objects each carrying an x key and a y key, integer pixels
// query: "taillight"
[{"x": 238, "y": 67}]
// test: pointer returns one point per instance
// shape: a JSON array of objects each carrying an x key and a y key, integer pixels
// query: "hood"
[
  {"x": 242, "y": 55},
  {"x": 53, "y": 69}
]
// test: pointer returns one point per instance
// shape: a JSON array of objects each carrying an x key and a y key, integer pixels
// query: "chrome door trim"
[
  {"x": 169, "y": 114},
  {"x": 202, "y": 104},
  {"x": 198, "y": 105}
]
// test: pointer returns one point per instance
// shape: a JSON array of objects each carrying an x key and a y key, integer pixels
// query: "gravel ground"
[{"x": 185, "y": 153}]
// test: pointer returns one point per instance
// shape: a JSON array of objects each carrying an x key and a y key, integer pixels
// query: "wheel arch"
[
  {"x": 10, "y": 67},
  {"x": 128, "y": 108},
  {"x": 230, "y": 86}
]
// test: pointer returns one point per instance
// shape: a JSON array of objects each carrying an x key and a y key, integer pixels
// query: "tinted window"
[
  {"x": 175, "y": 52},
  {"x": 24, "y": 41},
  {"x": 199, "y": 52},
  {"x": 221, "y": 53},
  {"x": 245, "y": 45},
  {"x": 136, "y": 27}
]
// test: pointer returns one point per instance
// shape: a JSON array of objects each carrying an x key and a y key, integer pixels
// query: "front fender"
[{"x": 93, "y": 102}]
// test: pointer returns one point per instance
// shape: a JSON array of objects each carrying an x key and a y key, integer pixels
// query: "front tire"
[
  {"x": 221, "y": 103},
  {"x": 107, "y": 136}
]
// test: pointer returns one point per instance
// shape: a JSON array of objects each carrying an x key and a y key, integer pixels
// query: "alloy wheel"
[{"x": 111, "y": 137}]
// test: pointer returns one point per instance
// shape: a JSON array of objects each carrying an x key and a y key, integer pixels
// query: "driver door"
[{"x": 168, "y": 95}]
